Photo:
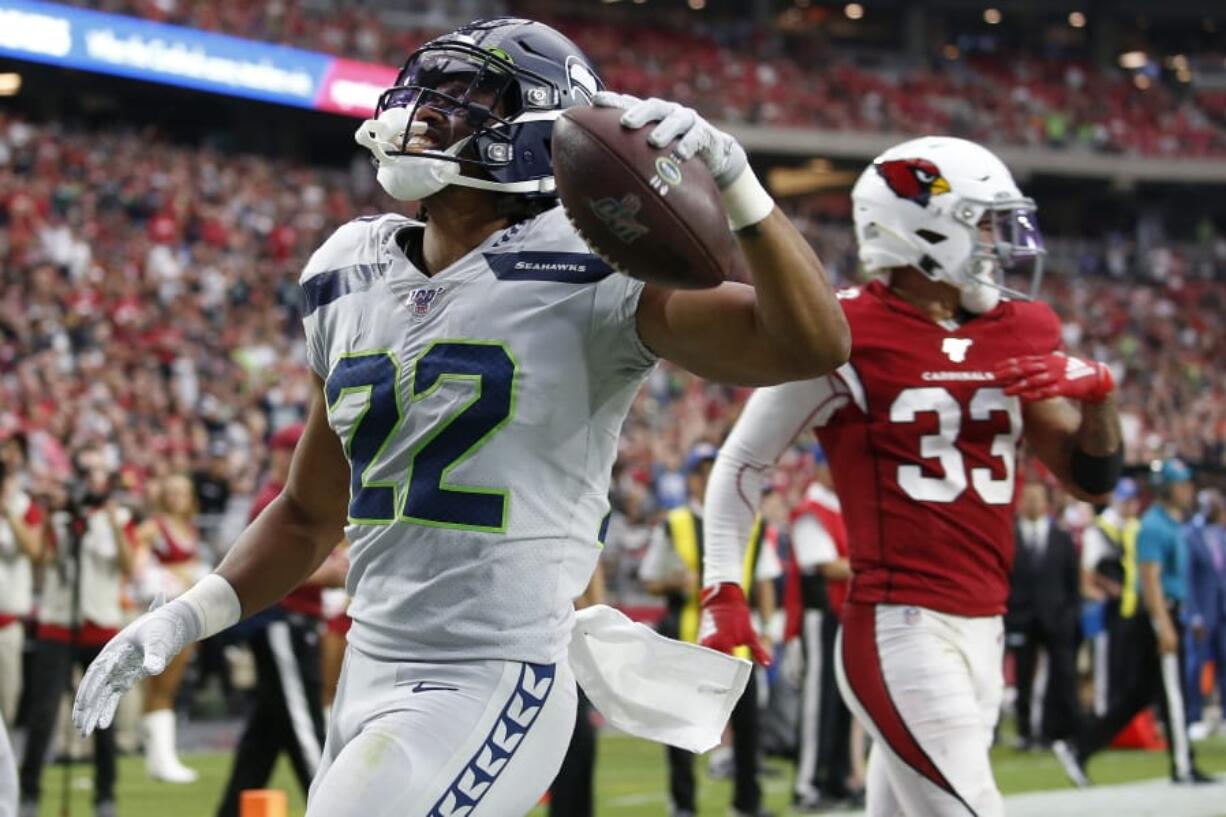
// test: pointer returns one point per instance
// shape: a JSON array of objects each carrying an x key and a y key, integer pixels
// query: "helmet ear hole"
[{"x": 930, "y": 236}]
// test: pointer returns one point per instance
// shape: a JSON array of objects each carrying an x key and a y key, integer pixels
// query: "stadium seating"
[{"x": 1009, "y": 99}]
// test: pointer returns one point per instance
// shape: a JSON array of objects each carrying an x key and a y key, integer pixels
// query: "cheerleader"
[{"x": 170, "y": 543}]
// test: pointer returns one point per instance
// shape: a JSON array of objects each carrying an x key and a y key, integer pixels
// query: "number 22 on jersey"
[{"x": 424, "y": 496}]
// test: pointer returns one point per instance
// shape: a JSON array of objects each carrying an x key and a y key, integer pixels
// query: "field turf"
[{"x": 630, "y": 781}]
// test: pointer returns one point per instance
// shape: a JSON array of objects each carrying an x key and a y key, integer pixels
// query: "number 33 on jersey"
[
  {"x": 923, "y": 448},
  {"x": 479, "y": 409}
]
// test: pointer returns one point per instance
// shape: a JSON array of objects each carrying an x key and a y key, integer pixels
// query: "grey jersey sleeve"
[
  {"x": 615, "y": 324},
  {"x": 351, "y": 259}
]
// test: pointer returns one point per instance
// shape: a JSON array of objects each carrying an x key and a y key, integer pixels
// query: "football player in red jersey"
[{"x": 949, "y": 370}]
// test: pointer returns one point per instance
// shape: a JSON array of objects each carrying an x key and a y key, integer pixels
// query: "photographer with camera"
[
  {"x": 90, "y": 549},
  {"x": 21, "y": 548}
]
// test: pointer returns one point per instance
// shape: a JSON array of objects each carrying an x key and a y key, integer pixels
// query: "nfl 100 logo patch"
[{"x": 421, "y": 301}]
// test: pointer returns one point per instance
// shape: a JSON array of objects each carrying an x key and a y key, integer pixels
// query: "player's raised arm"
[
  {"x": 275, "y": 554},
  {"x": 787, "y": 326},
  {"x": 1071, "y": 419}
]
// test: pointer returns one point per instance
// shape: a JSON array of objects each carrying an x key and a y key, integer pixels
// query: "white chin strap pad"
[{"x": 980, "y": 298}]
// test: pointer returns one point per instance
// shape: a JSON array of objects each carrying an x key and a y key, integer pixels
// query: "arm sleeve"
[
  {"x": 814, "y": 546},
  {"x": 771, "y": 420},
  {"x": 317, "y": 358},
  {"x": 1149, "y": 545}
]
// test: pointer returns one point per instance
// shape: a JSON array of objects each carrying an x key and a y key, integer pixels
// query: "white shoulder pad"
[{"x": 357, "y": 242}]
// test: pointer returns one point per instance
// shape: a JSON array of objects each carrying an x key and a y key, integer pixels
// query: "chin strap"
[{"x": 545, "y": 185}]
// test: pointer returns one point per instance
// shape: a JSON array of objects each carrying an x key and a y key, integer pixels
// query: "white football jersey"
[{"x": 480, "y": 410}]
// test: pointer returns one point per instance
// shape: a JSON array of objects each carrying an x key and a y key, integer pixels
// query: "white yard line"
[{"x": 1150, "y": 798}]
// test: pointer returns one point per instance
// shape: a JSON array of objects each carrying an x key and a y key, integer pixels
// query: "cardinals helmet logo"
[{"x": 917, "y": 180}]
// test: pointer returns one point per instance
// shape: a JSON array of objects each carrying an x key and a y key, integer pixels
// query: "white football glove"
[
  {"x": 141, "y": 649},
  {"x": 745, "y": 200},
  {"x": 722, "y": 154}
]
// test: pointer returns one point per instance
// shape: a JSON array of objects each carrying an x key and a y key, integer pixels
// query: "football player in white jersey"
[{"x": 472, "y": 372}]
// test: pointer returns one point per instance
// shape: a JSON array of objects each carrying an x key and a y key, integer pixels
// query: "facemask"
[{"x": 405, "y": 177}]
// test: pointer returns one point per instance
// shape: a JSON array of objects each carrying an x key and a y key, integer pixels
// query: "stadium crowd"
[{"x": 1019, "y": 99}]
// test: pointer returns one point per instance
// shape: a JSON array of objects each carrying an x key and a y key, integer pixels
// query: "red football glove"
[
  {"x": 725, "y": 622},
  {"x": 1039, "y": 377}
]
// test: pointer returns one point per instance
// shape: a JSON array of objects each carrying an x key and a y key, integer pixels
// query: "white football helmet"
[{"x": 921, "y": 203}]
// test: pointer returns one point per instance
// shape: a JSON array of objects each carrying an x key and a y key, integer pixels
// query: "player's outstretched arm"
[
  {"x": 1071, "y": 419},
  {"x": 288, "y": 541},
  {"x": 770, "y": 421},
  {"x": 789, "y": 325}
]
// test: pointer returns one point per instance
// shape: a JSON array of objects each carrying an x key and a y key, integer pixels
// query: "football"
[{"x": 645, "y": 212}]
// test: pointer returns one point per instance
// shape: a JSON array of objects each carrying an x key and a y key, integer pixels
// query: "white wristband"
[
  {"x": 746, "y": 200},
  {"x": 215, "y": 604}
]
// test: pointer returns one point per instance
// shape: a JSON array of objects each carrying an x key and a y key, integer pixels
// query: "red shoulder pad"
[{"x": 1038, "y": 325}]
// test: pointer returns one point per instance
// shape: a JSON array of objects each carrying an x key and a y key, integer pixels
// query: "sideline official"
[{"x": 1162, "y": 561}]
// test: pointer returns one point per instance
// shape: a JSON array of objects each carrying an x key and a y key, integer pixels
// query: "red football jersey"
[{"x": 924, "y": 450}]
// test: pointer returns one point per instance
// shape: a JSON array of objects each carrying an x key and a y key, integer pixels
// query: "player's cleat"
[
  {"x": 815, "y": 804},
  {"x": 1071, "y": 763},
  {"x": 1196, "y": 777},
  {"x": 105, "y": 808},
  {"x": 759, "y": 813},
  {"x": 28, "y": 808}
]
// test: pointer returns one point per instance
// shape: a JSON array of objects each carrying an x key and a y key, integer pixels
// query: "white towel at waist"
[{"x": 651, "y": 686}]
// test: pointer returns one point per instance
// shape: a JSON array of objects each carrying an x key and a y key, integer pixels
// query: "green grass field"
[{"x": 630, "y": 781}]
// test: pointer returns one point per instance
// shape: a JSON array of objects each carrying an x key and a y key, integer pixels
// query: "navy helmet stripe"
[{"x": 327, "y": 287}]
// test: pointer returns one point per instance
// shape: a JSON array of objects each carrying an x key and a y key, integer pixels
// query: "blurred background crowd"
[{"x": 734, "y": 73}]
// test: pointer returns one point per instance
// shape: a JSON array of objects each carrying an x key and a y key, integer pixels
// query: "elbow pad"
[{"x": 1097, "y": 475}]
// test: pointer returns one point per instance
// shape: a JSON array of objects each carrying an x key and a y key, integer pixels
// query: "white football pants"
[
  {"x": 927, "y": 686},
  {"x": 472, "y": 738},
  {"x": 8, "y": 775}
]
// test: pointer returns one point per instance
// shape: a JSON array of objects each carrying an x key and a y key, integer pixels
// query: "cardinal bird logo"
[{"x": 917, "y": 180}]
